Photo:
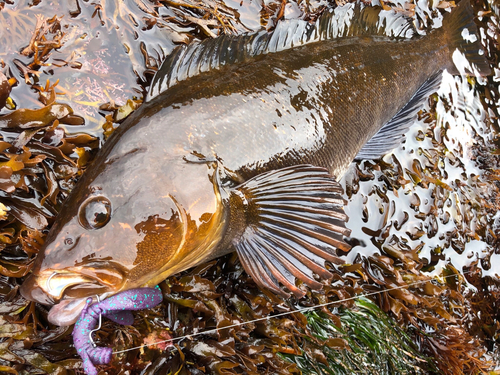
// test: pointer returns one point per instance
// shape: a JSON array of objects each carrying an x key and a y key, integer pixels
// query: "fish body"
[{"x": 243, "y": 156}]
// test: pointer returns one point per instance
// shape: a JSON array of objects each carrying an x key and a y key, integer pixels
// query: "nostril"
[{"x": 70, "y": 242}]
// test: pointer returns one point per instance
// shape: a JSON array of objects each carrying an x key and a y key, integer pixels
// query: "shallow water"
[
  {"x": 103, "y": 56},
  {"x": 446, "y": 214}
]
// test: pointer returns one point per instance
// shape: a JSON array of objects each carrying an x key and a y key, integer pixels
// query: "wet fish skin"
[
  {"x": 315, "y": 104},
  {"x": 169, "y": 173}
]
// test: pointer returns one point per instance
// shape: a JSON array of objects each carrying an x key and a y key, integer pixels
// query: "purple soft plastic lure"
[{"x": 118, "y": 309}]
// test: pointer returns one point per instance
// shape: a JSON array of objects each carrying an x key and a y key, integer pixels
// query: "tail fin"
[{"x": 464, "y": 39}]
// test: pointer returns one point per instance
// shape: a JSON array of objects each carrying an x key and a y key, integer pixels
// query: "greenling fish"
[{"x": 239, "y": 146}]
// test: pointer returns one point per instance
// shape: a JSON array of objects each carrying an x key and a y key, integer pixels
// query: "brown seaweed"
[{"x": 4, "y": 90}]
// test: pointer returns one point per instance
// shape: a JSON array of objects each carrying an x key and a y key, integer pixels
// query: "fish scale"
[{"x": 322, "y": 124}]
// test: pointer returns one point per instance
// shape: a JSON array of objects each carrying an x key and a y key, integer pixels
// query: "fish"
[{"x": 240, "y": 146}]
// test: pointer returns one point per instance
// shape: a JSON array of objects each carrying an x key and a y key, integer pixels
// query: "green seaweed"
[{"x": 375, "y": 344}]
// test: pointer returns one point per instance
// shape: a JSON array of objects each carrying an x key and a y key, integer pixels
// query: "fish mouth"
[
  {"x": 51, "y": 285},
  {"x": 68, "y": 291},
  {"x": 51, "y": 291},
  {"x": 32, "y": 291}
]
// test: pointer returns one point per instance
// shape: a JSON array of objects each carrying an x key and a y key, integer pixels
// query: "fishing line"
[{"x": 280, "y": 314}]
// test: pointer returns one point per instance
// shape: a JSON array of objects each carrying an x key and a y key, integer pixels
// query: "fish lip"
[
  {"x": 50, "y": 286},
  {"x": 73, "y": 279},
  {"x": 66, "y": 312},
  {"x": 59, "y": 314},
  {"x": 54, "y": 283}
]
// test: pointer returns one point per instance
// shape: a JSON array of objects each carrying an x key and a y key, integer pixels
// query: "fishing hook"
[{"x": 98, "y": 327}]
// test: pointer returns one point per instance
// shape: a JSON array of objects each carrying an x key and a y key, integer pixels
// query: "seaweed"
[{"x": 367, "y": 342}]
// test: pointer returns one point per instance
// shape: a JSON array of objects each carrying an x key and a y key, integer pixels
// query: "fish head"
[{"x": 130, "y": 222}]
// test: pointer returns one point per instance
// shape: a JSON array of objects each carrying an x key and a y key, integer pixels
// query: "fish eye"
[{"x": 95, "y": 212}]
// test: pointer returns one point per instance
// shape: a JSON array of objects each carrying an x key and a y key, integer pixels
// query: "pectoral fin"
[{"x": 295, "y": 222}]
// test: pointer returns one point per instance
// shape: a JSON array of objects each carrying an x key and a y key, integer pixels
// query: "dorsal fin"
[
  {"x": 391, "y": 135},
  {"x": 348, "y": 20}
]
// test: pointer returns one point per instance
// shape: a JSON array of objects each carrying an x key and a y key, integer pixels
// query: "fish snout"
[
  {"x": 68, "y": 289},
  {"x": 32, "y": 291}
]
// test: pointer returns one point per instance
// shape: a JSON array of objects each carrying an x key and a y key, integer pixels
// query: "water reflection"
[
  {"x": 438, "y": 200},
  {"x": 106, "y": 48}
]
